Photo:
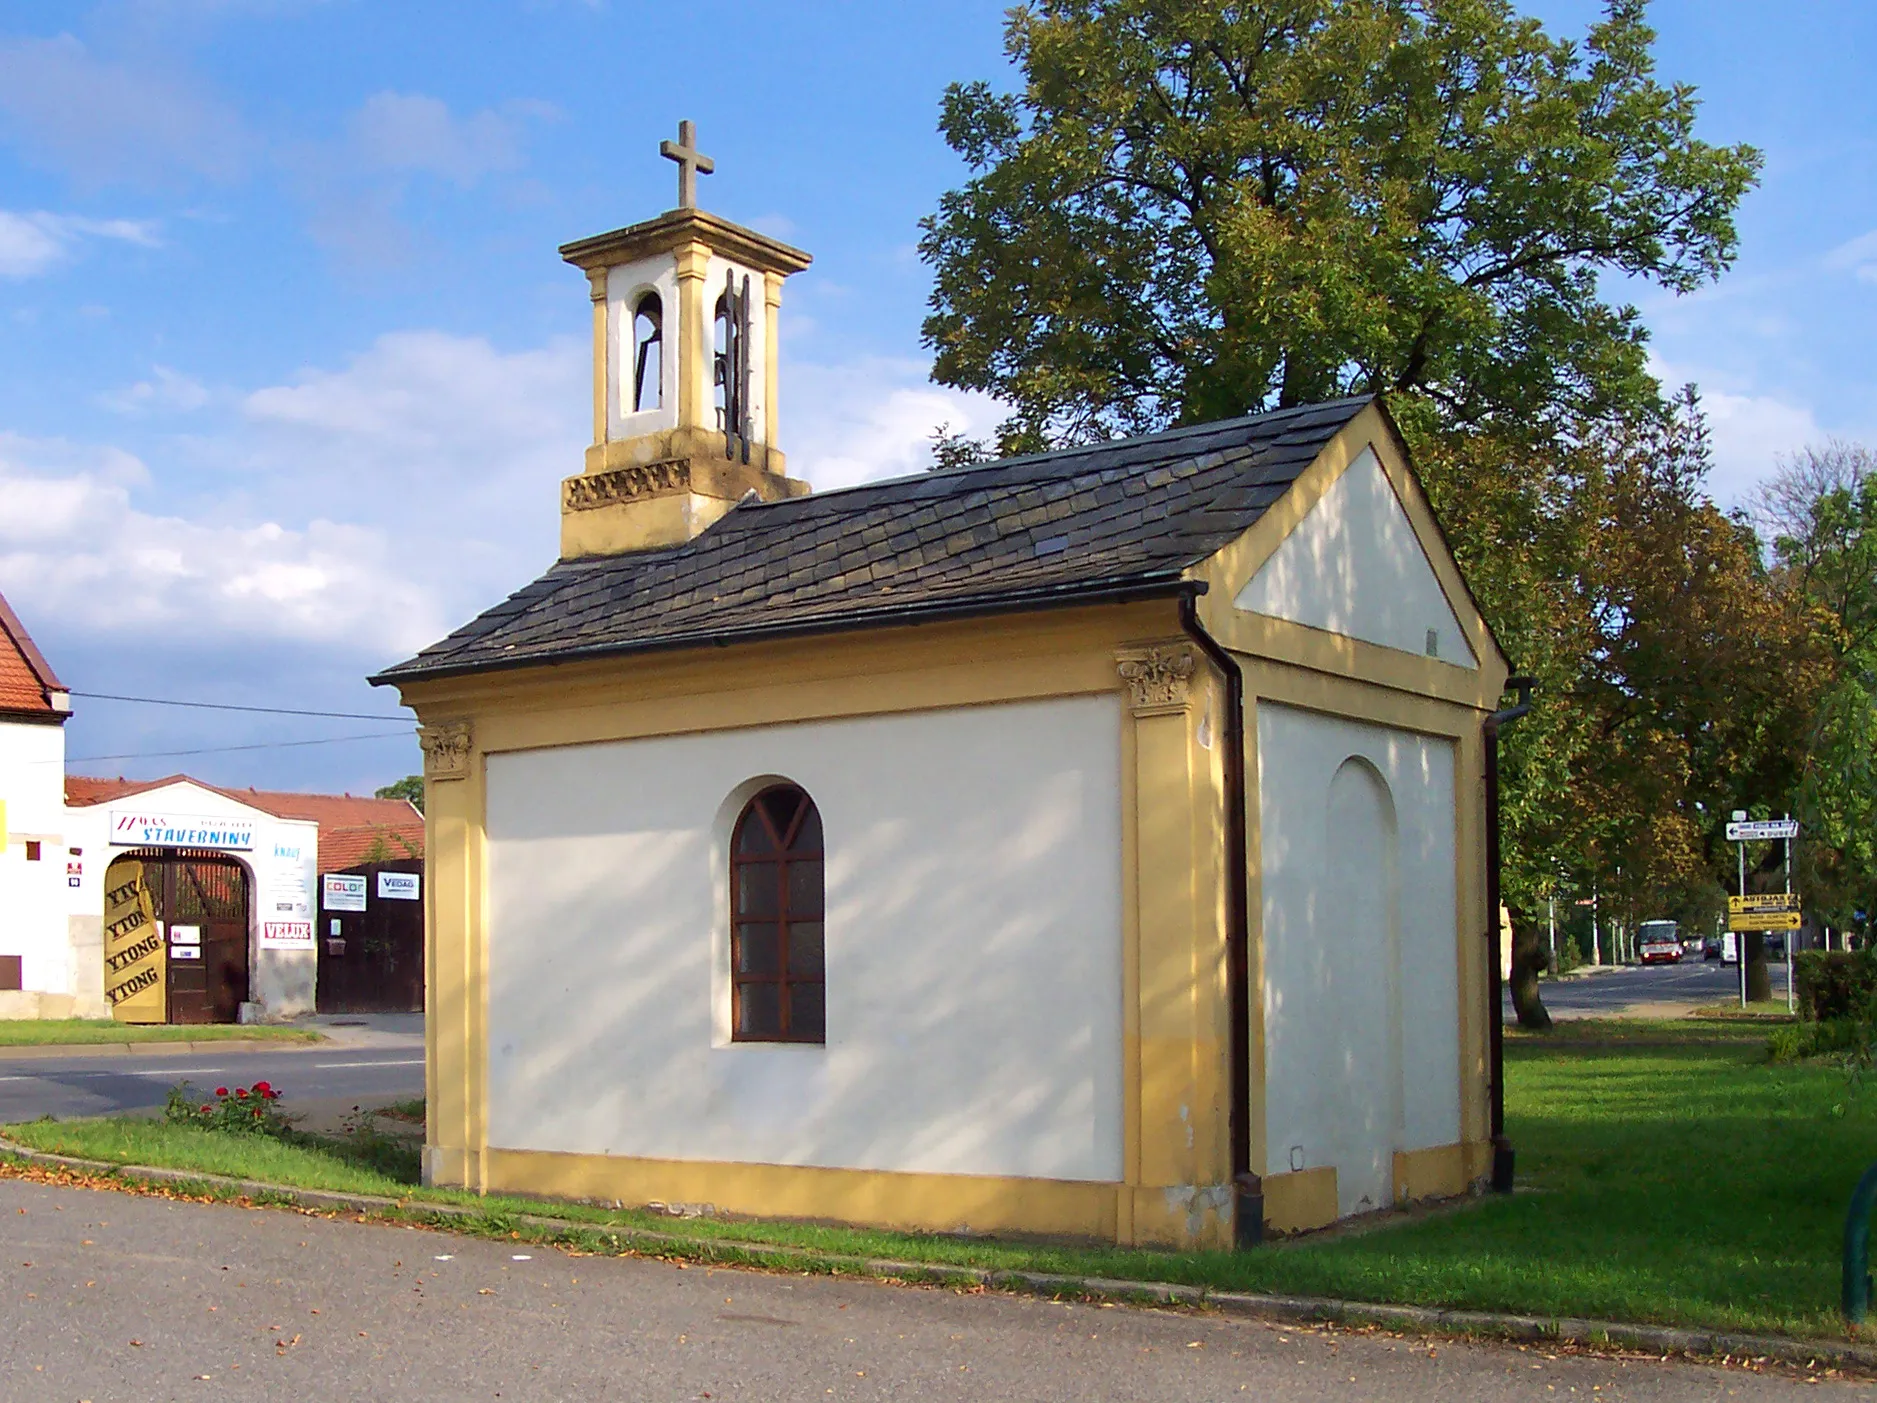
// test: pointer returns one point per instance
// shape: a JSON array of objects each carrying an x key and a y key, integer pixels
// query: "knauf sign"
[{"x": 131, "y": 829}]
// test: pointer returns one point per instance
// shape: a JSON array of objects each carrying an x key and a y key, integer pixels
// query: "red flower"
[
  {"x": 221, "y": 1091},
  {"x": 273, "y": 1095},
  {"x": 242, "y": 1092},
  {"x": 208, "y": 1110},
  {"x": 256, "y": 1114},
  {"x": 263, "y": 1087}
]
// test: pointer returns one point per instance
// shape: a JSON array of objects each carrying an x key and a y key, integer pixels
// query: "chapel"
[{"x": 1092, "y": 843}]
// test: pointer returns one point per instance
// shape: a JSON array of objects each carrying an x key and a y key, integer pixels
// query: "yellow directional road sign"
[
  {"x": 1763, "y": 920},
  {"x": 1764, "y": 901}
]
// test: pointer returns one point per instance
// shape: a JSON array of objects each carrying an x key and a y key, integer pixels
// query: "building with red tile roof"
[
  {"x": 29, "y": 689},
  {"x": 352, "y": 828}
]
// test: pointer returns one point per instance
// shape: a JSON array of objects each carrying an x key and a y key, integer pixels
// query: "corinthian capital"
[{"x": 1157, "y": 676}]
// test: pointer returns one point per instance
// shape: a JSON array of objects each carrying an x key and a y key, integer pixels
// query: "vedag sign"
[{"x": 131, "y": 828}]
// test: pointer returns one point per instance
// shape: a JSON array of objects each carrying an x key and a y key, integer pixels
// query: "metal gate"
[
  {"x": 372, "y": 961},
  {"x": 198, "y": 904}
]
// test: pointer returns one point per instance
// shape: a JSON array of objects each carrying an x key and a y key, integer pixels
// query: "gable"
[{"x": 1354, "y": 565}]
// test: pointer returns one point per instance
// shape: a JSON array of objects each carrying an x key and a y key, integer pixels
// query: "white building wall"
[
  {"x": 33, "y": 894},
  {"x": 973, "y": 947},
  {"x": 1361, "y": 947},
  {"x": 1355, "y": 566}
]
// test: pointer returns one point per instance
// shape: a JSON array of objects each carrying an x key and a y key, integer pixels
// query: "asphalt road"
[
  {"x": 1663, "y": 990},
  {"x": 95, "y": 1084},
  {"x": 117, "y": 1297}
]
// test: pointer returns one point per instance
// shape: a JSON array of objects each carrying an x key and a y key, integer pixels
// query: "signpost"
[{"x": 1763, "y": 911}]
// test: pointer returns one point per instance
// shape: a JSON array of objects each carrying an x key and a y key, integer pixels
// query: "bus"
[{"x": 1659, "y": 942}]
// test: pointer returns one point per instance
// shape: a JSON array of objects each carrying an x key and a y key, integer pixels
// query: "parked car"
[
  {"x": 1711, "y": 948},
  {"x": 1659, "y": 943}
]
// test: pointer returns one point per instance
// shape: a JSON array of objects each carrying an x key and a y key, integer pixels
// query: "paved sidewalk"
[{"x": 123, "y": 1297}]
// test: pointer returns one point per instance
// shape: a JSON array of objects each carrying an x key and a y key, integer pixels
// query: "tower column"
[
  {"x": 772, "y": 316},
  {"x": 694, "y": 355},
  {"x": 602, "y": 341}
]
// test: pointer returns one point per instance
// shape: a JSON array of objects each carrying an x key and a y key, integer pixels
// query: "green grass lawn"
[
  {"x": 38, "y": 1032},
  {"x": 1670, "y": 1174}
]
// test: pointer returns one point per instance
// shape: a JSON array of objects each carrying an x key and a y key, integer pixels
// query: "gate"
[
  {"x": 176, "y": 937},
  {"x": 372, "y": 961}
]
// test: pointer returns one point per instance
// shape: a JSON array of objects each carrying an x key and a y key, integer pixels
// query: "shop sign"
[
  {"x": 286, "y": 935},
  {"x": 399, "y": 886},
  {"x": 340, "y": 892},
  {"x": 131, "y": 828}
]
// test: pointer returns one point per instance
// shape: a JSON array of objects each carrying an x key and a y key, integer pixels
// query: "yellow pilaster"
[
  {"x": 1180, "y": 1181},
  {"x": 454, "y": 994}
]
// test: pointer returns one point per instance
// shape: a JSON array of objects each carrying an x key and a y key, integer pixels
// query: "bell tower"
[{"x": 684, "y": 373}]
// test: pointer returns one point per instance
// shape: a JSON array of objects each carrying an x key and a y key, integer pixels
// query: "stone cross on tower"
[{"x": 691, "y": 163}]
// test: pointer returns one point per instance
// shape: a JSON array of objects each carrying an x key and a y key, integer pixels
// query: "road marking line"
[{"x": 334, "y": 1066}]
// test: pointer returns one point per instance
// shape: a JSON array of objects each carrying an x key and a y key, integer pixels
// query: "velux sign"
[{"x": 131, "y": 828}]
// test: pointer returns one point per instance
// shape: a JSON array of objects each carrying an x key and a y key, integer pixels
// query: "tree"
[
  {"x": 1192, "y": 211},
  {"x": 411, "y": 787},
  {"x": 1820, "y": 508}
]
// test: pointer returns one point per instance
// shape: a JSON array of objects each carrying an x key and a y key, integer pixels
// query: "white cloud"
[
  {"x": 1750, "y": 434},
  {"x": 1857, "y": 256},
  {"x": 166, "y": 389},
  {"x": 361, "y": 511},
  {"x": 410, "y": 132},
  {"x": 106, "y": 121},
  {"x": 34, "y": 242},
  {"x": 75, "y": 545},
  {"x": 871, "y": 419}
]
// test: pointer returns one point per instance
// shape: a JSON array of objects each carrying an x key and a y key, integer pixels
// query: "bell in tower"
[{"x": 684, "y": 373}]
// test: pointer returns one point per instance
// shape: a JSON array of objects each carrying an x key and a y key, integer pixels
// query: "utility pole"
[
  {"x": 1596, "y": 932},
  {"x": 1551, "y": 937}
]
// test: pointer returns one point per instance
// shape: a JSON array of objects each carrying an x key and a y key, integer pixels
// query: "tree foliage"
[
  {"x": 1193, "y": 210},
  {"x": 411, "y": 788}
]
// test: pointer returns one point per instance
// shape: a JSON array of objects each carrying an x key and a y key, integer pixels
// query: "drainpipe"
[
  {"x": 1247, "y": 1188},
  {"x": 1495, "y": 1018}
]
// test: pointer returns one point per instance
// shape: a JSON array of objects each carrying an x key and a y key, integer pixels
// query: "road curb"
[
  {"x": 1648, "y": 1339},
  {"x": 40, "y": 1051}
]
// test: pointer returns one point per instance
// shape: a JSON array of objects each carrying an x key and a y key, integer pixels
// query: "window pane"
[
  {"x": 759, "y": 1010},
  {"x": 805, "y": 890},
  {"x": 808, "y": 837},
  {"x": 808, "y": 1017},
  {"x": 805, "y": 949},
  {"x": 757, "y": 886},
  {"x": 780, "y": 804},
  {"x": 752, "y": 834},
  {"x": 756, "y": 951}
]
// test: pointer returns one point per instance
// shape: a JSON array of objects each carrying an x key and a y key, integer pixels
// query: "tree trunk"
[
  {"x": 1529, "y": 959},
  {"x": 1759, "y": 981}
]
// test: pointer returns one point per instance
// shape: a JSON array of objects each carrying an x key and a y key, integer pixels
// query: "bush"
[
  {"x": 245, "y": 1110},
  {"x": 1832, "y": 984},
  {"x": 1793, "y": 1042}
]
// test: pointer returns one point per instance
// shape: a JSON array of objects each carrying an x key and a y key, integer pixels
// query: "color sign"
[
  {"x": 135, "y": 963},
  {"x": 133, "y": 829},
  {"x": 340, "y": 892},
  {"x": 1765, "y": 901},
  {"x": 1764, "y": 920},
  {"x": 398, "y": 886},
  {"x": 1759, "y": 830}
]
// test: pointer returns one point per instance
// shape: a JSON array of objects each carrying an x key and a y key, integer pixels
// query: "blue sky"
[{"x": 290, "y": 369}]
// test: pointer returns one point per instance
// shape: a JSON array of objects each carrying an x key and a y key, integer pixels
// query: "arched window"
[
  {"x": 777, "y": 984},
  {"x": 648, "y": 343}
]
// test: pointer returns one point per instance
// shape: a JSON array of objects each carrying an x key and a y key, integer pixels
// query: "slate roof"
[{"x": 1104, "y": 521}]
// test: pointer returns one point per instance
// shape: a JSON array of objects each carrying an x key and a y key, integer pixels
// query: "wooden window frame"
[{"x": 781, "y": 857}]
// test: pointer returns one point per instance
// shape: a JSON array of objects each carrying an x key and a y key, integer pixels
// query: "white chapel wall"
[
  {"x": 1361, "y": 954},
  {"x": 973, "y": 947},
  {"x": 1355, "y": 566}
]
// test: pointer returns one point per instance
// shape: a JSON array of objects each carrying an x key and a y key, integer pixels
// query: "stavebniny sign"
[{"x": 131, "y": 828}]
